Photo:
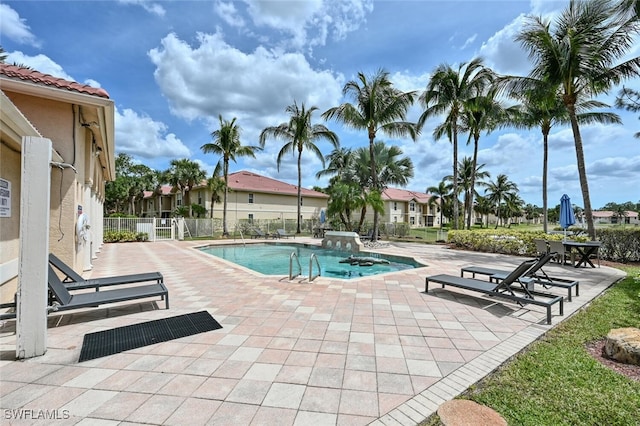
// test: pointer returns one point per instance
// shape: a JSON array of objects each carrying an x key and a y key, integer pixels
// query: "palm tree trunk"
[
  {"x": 456, "y": 209},
  {"x": 299, "y": 190},
  {"x": 582, "y": 171},
  {"x": 545, "y": 165},
  {"x": 225, "y": 231},
  {"x": 473, "y": 179},
  {"x": 374, "y": 183}
]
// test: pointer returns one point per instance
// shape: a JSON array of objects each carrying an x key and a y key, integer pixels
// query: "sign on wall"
[{"x": 5, "y": 198}]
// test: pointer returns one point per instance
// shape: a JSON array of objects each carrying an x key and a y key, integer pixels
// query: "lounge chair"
[
  {"x": 536, "y": 273},
  {"x": 281, "y": 233},
  {"x": 513, "y": 287},
  {"x": 542, "y": 246},
  {"x": 67, "y": 300},
  {"x": 257, "y": 233},
  {"x": 74, "y": 281}
]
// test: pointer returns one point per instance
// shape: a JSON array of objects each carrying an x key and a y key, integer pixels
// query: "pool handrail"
[
  {"x": 311, "y": 276},
  {"x": 291, "y": 276}
]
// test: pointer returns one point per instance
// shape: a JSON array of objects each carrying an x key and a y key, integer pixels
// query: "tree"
[
  {"x": 440, "y": 193},
  {"x": 578, "y": 55},
  {"x": 542, "y": 107},
  {"x": 298, "y": 134},
  {"x": 447, "y": 91},
  {"x": 469, "y": 177},
  {"x": 183, "y": 175},
  {"x": 226, "y": 143},
  {"x": 215, "y": 184},
  {"x": 498, "y": 192},
  {"x": 131, "y": 180},
  {"x": 379, "y": 107},
  {"x": 391, "y": 170},
  {"x": 629, "y": 99},
  {"x": 484, "y": 207}
]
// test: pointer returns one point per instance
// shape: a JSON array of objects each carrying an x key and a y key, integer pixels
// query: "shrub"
[
  {"x": 124, "y": 236},
  {"x": 618, "y": 245}
]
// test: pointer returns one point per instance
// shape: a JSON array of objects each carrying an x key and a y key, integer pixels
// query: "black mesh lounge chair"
[
  {"x": 281, "y": 233},
  {"x": 67, "y": 300},
  {"x": 536, "y": 273},
  {"x": 256, "y": 233},
  {"x": 73, "y": 281},
  {"x": 513, "y": 287}
]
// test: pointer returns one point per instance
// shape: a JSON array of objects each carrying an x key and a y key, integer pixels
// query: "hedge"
[
  {"x": 124, "y": 236},
  {"x": 618, "y": 245}
]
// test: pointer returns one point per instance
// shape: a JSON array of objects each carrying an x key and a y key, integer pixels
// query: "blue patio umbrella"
[
  {"x": 567, "y": 218},
  {"x": 322, "y": 216}
]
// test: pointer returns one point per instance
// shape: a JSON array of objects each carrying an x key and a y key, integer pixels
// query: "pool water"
[{"x": 273, "y": 259}]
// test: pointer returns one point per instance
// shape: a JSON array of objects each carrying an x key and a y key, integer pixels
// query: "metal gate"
[{"x": 164, "y": 229}]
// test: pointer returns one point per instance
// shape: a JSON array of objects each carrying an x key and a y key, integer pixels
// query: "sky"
[{"x": 173, "y": 67}]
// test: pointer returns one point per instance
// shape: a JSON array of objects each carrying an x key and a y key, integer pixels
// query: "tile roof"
[
  {"x": 609, "y": 213},
  {"x": 28, "y": 75},
  {"x": 396, "y": 194},
  {"x": 247, "y": 181}
]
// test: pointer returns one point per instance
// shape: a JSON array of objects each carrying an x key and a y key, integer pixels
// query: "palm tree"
[
  {"x": 392, "y": 170},
  {"x": 578, "y": 55},
  {"x": 379, "y": 107},
  {"x": 481, "y": 113},
  {"x": 447, "y": 91},
  {"x": 467, "y": 182},
  {"x": 215, "y": 184},
  {"x": 483, "y": 206},
  {"x": 439, "y": 193},
  {"x": 183, "y": 175},
  {"x": 226, "y": 143},
  {"x": 629, "y": 99},
  {"x": 340, "y": 161},
  {"x": 299, "y": 134},
  {"x": 499, "y": 191}
]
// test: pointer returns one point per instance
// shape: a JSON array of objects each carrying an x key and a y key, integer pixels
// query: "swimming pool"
[{"x": 273, "y": 259}]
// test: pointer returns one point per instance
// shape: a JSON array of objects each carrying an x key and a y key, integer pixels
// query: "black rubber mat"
[{"x": 116, "y": 340}]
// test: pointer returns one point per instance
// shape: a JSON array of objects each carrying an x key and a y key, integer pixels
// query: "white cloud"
[
  {"x": 15, "y": 28},
  {"x": 40, "y": 62},
  {"x": 229, "y": 14},
  {"x": 215, "y": 78},
  {"x": 503, "y": 54},
  {"x": 151, "y": 7},
  {"x": 141, "y": 136},
  {"x": 469, "y": 41},
  {"x": 310, "y": 22}
]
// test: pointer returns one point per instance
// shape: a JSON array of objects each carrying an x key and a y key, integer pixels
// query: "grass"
[{"x": 556, "y": 382}]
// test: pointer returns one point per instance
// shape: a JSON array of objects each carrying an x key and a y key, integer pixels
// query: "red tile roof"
[
  {"x": 396, "y": 194},
  {"x": 25, "y": 74},
  {"x": 247, "y": 181},
  {"x": 609, "y": 213}
]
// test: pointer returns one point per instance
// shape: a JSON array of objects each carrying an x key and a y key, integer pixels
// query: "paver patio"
[{"x": 374, "y": 350}]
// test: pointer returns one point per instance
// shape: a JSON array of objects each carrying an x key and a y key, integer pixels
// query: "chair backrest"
[
  {"x": 556, "y": 246},
  {"x": 57, "y": 288},
  {"x": 65, "y": 269},
  {"x": 517, "y": 273},
  {"x": 541, "y": 245},
  {"x": 281, "y": 231},
  {"x": 540, "y": 262}
]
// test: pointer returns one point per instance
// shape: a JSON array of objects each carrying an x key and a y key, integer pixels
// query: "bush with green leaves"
[
  {"x": 618, "y": 245},
  {"x": 124, "y": 236}
]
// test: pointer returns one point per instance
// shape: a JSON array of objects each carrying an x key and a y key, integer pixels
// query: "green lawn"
[{"x": 556, "y": 382}]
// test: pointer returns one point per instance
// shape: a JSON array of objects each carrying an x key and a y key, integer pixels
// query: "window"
[
  {"x": 395, "y": 205},
  {"x": 395, "y": 219},
  {"x": 200, "y": 198},
  {"x": 250, "y": 198},
  {"x": 412, "y": 206},
  {"x": 179, "y": 199},
  {"x": 301, "y": 200},
  {"x": 412, "y": 220},
  {"x": 250, "y": 217}
]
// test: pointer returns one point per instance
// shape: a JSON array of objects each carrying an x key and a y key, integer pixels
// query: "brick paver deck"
[{"x": 337, "y": 352}]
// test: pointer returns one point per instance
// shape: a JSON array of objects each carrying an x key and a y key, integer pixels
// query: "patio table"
[{"x": 584, "y": 249}]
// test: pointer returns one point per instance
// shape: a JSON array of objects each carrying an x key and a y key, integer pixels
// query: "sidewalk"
[{"x": 337, "y": 352}]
